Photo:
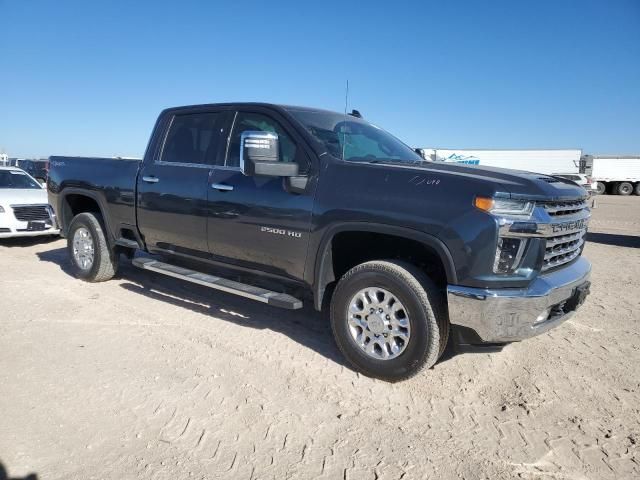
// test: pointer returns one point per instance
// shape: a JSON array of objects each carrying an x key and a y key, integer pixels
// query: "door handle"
[
  {"x": 150, "y": 179},
  {"x": 223, "y": 187}
]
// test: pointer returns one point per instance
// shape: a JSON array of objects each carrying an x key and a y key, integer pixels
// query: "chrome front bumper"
[{"x": 508, "y": 315}]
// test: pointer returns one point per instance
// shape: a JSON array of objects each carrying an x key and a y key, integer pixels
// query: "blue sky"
[{"x": 89, "y": 77}]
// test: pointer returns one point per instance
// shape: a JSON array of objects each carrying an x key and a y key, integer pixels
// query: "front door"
[
  {"x": 257, "y": 222},
  {"x": 173, "y": 188}
]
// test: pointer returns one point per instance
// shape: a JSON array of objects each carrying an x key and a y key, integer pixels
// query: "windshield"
[
  {"x": 17, "y": 179},
  {"x": 359, "y": 140}
]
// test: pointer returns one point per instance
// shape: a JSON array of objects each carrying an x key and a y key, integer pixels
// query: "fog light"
[
  {"x": 543, "y": 316},
  {"x": 508, "y": 255}
]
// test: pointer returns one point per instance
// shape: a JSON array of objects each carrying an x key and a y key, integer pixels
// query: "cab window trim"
[
  {"x": 224, "y": 165},
  {"x": 210, "y": 162}
]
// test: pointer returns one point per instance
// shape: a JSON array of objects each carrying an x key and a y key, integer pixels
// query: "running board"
[
  {"x": 275, "y": 299},
  {"x": 125, "y": 242}
]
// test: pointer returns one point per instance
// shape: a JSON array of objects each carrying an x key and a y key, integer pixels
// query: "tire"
[
  {"x": 424, "y": 310},
  {"x": 104, "y": 264},
  {"x": 601, "y": 188},
  {"x": 624, "y": 188},
  {"x": 636, "y": 189}
]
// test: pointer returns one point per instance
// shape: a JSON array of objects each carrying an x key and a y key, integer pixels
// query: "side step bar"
[
  {"x": 275, "y": 299},
  {"x": 125, "y": 242}
]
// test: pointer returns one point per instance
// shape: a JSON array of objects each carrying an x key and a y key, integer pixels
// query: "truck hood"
[
  {"x": 517, "y": 183},
  {"x": 23, "y": 196}
]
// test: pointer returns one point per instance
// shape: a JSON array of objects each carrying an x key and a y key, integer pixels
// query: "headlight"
[
  {"x": 505, "y": 206},
  {"x": 508, "y": 254}
]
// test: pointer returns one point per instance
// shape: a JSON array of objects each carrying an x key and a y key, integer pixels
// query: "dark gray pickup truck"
[{"x": 295, "y": 203}]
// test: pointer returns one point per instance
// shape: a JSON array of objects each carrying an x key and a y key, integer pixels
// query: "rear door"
[
  {"x": 173, "y": 184},
  {"x": 258, "y": 222}
]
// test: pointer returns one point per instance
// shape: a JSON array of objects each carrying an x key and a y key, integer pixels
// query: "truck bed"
[{"x": 111, "y": 182}]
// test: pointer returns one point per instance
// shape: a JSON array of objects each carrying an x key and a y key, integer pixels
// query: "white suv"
[{"x": 24, "y": 207}]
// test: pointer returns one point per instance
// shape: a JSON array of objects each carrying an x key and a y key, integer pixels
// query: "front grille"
[
  {"x": 564, "y": 208},
  {"x": 562, "y": 248},
  {"x": 30, "y": 213}
]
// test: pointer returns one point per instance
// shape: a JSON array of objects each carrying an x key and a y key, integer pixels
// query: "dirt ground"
[{"x": 148, "y": 377}]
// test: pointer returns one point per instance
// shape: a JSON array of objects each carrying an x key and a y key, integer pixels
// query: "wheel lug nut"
[
  {"x": 388, "y": 317},
  {"x": 379, "y": 310},
  {"x": 371, "y": 310}
]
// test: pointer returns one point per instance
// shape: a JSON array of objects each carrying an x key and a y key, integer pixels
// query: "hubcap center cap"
[{"x": 375, "y": 324}]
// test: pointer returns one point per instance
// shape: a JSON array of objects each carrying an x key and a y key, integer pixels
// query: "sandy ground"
[{"x": 147, "y": 377}]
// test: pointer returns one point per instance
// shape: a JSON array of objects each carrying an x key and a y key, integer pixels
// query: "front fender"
[{"x": 323, "y": 264}]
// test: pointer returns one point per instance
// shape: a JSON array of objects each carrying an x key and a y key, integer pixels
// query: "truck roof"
[{"x": 276, "y": 106}]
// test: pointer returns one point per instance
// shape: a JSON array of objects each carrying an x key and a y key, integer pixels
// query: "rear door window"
[{"x": 192, "y": 138}]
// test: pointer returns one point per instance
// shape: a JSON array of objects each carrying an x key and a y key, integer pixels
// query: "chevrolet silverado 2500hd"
[{"x": 296, "y": 203}]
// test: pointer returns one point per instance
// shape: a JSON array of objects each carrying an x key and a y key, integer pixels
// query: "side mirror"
[{"x": 260, "y": 155}]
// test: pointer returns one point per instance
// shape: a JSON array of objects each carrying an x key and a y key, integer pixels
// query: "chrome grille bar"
[
  {"x": 563, "y": 249},
  {"x": 570, "y": 247},
  {"x": 560, "y": 260},
  {"x": 560, "y": 208},
  {"x": 553, "y": 241}
]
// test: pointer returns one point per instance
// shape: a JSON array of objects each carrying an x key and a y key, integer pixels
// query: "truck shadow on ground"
[
  {"x": 5, "y": 476},
  {"x": 21, "y": 242},
  {"x": 616, "y": 240},
  {"x": 307, "y": 326}
]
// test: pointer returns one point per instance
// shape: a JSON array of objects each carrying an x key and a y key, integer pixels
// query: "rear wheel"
[
  {"x": 624, "y": 188},
  {"x": 636, "y": 189},
  {"x": 601, "y": 188},
  {"x": 389, "y": 319},
  {"x": 91, "y": 258}
]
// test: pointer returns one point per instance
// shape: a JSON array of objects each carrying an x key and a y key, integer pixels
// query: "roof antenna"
[{"x": 344, "y": 126}]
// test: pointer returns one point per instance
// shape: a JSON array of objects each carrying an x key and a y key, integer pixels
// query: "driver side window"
[{"x": 258, "y": 122}]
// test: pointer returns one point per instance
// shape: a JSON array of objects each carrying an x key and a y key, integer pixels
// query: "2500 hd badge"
[{"x": 281, "y": 231}]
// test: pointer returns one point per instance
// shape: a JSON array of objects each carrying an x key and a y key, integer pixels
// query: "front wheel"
[
  {"x": 91, "y": 258},
  {"x": 389, "y": 319},
  {"x": 601, "y": 188}
]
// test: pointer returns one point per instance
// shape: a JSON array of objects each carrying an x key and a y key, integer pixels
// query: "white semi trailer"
[
  {"x": 615, "y": 174},
  {"x": 540, "y": 161}
]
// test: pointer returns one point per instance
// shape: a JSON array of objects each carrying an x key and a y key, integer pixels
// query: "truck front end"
[{"x": 541, "y": 240}]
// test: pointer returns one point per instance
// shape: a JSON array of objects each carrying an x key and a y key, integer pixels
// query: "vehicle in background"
[
  {"x": 613, "y": 174},
  {"x": 539, "y": 161},
  {"x": 24, "y": 208},
  {"x": 4, "y": 160},
  {"x": 38, "y": 169},
  {"x": 298, "y": 203},
  {"x": 581, "y": 179}
]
